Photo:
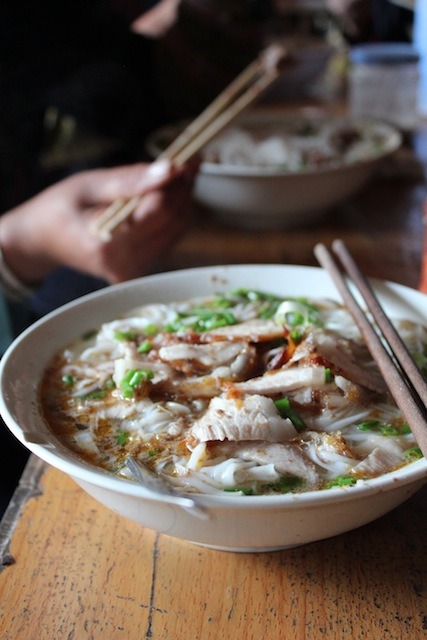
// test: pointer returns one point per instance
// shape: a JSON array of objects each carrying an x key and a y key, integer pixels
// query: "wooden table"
[{"x": 73, "y": 570}]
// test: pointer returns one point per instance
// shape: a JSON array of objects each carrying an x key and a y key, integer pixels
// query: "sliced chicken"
[
  {"x": 377, "y": 462},
  {"x": 199, "y": 358},
  {"x": 345, "y": 357},
  {"x": 284, "y": 380},
  {"x": 288, "y": 459},
  {"x": 196, "y": 387},
  {"x": 251, "y": 330},
  {"x": 248, "y": 418}
]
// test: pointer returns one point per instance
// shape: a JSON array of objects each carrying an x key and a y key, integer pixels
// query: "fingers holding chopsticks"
[
  {"x": 156, "y": 222},
  {"x": 129, "y": 186}
]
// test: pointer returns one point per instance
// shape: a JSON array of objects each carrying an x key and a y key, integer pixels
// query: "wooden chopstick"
[
  {"x": 241, "y": 93},
  {"x": 235, "y": 98},
  {"x": 401, "y": 374},
  {"x": 225, "y": 117},
  {"x": 215, "y": 107}
]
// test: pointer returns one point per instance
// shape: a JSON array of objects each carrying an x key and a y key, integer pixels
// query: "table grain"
[
  {"x": 71, "y": 569},
  {"x": 75, "y": 570}
]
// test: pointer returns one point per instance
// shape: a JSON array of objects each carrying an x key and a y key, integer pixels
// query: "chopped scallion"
[
  {"x": 328, "y": 375},
  {"x": 145, "y": 347},
  {"x": 151, "y": 329},
  {"x": 285, "y": 409},
  {"x": 341, "y": 481},
  {"x": 371, "y": 425},
  {"x": 134, "y": 378},
  {"x": 245, "y": 491},
  {"x": 68, "y": 380},
  {"x": 122, "y": 438},
  {"x": 414, "y": 453},
  {"x": 385, "y": 429},
  {"x": 125, "y": 335},
  {"x": 285, "y": 484},
  {"x": 94, "y": 395}
]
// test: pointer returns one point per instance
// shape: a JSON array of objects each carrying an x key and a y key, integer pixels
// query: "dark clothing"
[{"x": 79, "y": 57}]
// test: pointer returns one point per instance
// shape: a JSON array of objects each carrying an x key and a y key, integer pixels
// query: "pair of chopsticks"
[
  {"x": 236, "y": 97},
  {"x": 401, "y": 374}
]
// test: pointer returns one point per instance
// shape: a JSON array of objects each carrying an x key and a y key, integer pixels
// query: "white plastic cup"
[{"x": 384, "y": 83}]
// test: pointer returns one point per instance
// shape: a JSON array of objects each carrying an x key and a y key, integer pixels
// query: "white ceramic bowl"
[
  {"x": 273, "y": 197},
  {"x": 238, "y": 523}
]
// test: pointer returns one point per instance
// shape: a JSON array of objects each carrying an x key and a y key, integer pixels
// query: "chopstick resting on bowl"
[
  {"x": 401, "y": 374},
  {"x": 249, "y": 85}
]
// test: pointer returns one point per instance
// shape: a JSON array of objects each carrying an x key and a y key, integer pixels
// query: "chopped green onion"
[
  {"x": 132, "y": 379},
  {"x": 328, "y": 375},
  {"x": 296, "y": 335},
  {"x": 404, "y": 429},
  {"x": 68, "y": 380},
  {"x": 285, "y": 484},
  {"x": 125, "y": 335},
  {"x": 94, "y": 395},
  {"x": 341, "y": 481},
  {"x": 201, "y": 320},
  {"x": 145, "y": 347},
  {"x": 246, "y": 492},
  {"x": 372, "y": 425},
  {"x": 122, "y": 438},
  {"x": 384, "y": 429},
  {"x": 173, "y": 327},
  {"x": 296, "y": 313},
  {"x": 254, "y": 295},
  {"x": 285, "y": 409},
  {"x": 268, "y": 303},
  {"x": 389, "y": 430},
  {"x": 220, "y": 302},
  {"x": 151, "y": 329},
  {"x": 294, "y": 319},
  {"x": 413, "y": 454}
]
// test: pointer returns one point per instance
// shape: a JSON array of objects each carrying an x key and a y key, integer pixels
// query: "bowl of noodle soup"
[
  {"x": 272, "y": 169},
  {"x": 230, "y": 383}
]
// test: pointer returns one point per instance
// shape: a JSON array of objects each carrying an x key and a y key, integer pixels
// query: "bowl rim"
[
  {"x": 67, "y": 461},
  {"x": 394, "y": 141}
]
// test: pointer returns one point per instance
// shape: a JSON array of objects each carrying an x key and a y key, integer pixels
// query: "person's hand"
[
  {"x": 56, "y": 227},
  {"x": 155, "y": 22}
]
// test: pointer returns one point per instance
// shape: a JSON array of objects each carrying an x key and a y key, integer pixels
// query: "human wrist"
[
  {"x": 13, "y": 288},
  {"x": 23, "y": 264}
]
